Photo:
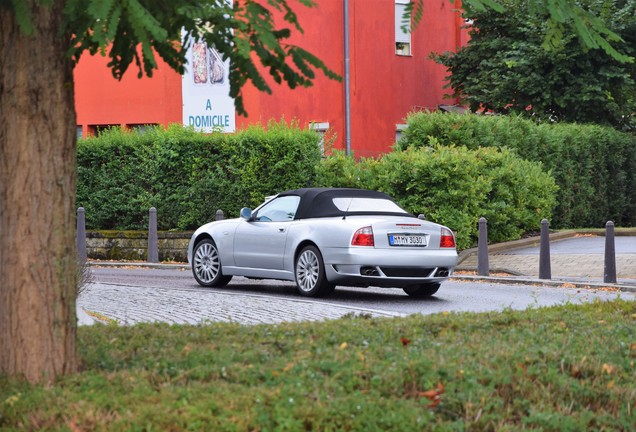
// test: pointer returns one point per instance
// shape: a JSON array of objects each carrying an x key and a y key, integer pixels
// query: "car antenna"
[{"x": 347, "y": 210}]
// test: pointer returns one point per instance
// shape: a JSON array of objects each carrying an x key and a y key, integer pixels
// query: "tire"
[
  {"x": 309, "y": 270},
  {"x": 422, "y": 291},
  {"x": 206, "y": 265}
]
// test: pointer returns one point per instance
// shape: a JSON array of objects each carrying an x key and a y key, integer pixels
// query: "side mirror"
[{"x": 246, "y": 213}]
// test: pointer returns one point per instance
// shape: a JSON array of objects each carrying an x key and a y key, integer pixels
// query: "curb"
[
  {"x": 117, "y": 264},
  {"x": 556, "y": 283}
]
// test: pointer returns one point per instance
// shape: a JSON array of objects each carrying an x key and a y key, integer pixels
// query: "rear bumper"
[{"x": 397, "y": 268}]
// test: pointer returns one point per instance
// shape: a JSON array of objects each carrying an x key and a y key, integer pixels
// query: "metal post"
[
  {"x": 219, "y": 215},
  {"x": 153, "y": 239},
  {"x": 545, "y": 270},
  {"x": 482, "y": 248},
  {"x": 610, "y": 254},
  {"x": 81, "y": 234},
  {"x": 421, "y": 216},
  {"x": 347, "y": 80}
]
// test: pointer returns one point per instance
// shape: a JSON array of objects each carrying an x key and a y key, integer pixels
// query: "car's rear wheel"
[
  {"x": 206, "y": 265},
  {"x": 309, "y": 269},
  {"x": 423, "y": 290}
]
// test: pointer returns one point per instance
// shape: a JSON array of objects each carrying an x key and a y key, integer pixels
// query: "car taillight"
[
  {"x": 447, "y": 240},
  {"x": 363, "y": 237}
]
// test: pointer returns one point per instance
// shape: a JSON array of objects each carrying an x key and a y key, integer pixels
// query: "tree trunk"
[{"x": 38, "y": 324}]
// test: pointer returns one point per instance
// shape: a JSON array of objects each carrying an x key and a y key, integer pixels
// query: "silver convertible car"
[{"x": 323, "y": 237}]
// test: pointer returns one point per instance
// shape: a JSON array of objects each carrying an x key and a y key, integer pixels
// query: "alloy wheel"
[
  {"x": 206, "y": 262},
  {"x": 307, "y": 270}
]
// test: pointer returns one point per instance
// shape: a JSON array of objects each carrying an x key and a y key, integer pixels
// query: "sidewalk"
[{"x": 576, "y": 257}]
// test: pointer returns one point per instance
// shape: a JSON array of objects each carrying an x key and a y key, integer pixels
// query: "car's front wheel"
[
  {"x": 423, "y": 290},
  {"x": 311, "y": 280},
  {"x": 206, "y": 265}
]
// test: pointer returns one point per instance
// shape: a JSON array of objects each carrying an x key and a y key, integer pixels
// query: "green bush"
[
  {"x": 455, "y": 186},
  {"x": 187, "y": 176},
  {"x": 593, "y": 166}
]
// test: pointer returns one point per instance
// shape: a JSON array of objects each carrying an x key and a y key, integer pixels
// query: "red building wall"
[
  {"x": 385, "y": 87},
  {"x": 100, "y": 99}
]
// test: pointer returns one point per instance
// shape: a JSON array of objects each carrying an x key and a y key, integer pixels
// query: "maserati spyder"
[{"x": 323, "y": 237}]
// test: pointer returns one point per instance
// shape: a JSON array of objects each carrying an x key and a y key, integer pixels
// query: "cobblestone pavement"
[
  {"x": 193, "y": 306},
  {"x": 572, "y": 260},
  {"x": 578, "y": 258},
  {"x": 562, "y": 266}
]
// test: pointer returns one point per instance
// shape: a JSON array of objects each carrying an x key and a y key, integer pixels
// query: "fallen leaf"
[
  {"x": 343, "y": 345},
  {"x": 434, "y": 395},
  {"x": 405, "y": 341},
  {"x": 608, "y": 369},
  {"x": 72, "y": 425}
]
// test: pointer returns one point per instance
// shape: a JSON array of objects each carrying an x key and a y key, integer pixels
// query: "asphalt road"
[{"x": 132, "y": 295}]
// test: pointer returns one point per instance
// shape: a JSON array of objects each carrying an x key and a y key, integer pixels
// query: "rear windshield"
[{"x": 354, "y": 205}]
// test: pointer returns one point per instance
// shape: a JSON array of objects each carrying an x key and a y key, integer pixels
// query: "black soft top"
[{"x": 318, "y": 202}]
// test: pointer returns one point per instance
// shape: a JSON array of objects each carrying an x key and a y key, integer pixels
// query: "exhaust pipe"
[
  {"x": 442, "y": 272},
  {"x": 369, "y": 271}
]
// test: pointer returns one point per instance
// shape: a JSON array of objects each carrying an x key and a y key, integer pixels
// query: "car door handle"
[{"x": 281, "y": 229}]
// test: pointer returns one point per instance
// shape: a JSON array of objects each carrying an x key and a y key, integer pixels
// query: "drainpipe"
[{"x": 347, "y": 79}]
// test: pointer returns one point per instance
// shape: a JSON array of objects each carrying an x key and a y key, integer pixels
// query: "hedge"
[
  {"x": 455, "y": 186},
  {"x": 187, "y": 175},
  {"x": 594, "y": 166}
]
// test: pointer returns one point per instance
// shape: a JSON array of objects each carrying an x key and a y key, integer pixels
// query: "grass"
[{"x": 570, "y": 367}]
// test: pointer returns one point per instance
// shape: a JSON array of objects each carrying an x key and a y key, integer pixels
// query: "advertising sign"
[{"x": 207, "y": 104}]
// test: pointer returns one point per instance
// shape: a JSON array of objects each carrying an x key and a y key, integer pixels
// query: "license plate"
[{"x": 407, "y": 240}]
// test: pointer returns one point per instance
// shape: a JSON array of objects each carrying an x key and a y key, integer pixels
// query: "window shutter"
[{"x": 400, "y": 36}]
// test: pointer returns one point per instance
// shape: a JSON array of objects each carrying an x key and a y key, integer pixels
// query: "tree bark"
[{"x": 38, "y": 323}]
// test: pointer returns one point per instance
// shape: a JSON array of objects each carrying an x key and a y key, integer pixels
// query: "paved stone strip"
[
  {"x": 132, "y": 305},
  {"x": 563, "y": 265}
]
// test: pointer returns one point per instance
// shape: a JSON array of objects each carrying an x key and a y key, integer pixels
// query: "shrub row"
[
  {"x": 186, "y": 175},
  {"x": 455, "y": 186},
  {"x": 594, "y": 166}
]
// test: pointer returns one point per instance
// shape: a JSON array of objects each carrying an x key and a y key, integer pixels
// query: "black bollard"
[
  {"x": 610, "y": 254},
  {"x": 545, "y": 270},
  {"x": 482, "y": 248},
  {"x": 153, "y": 239},
  {"x": 219, "y": 215},
  {"x": 81, "y": 234}
]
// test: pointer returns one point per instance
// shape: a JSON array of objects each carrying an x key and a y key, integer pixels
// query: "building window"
[
  {"x": 79, "y": 132},
  {"x": 96, "y": 130},
  {"x": 399, "y": 128},
  {"x": 402, "y": 38},
  {"x": 321, "y": 128},
  {"x": 142, "y": 128}
]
